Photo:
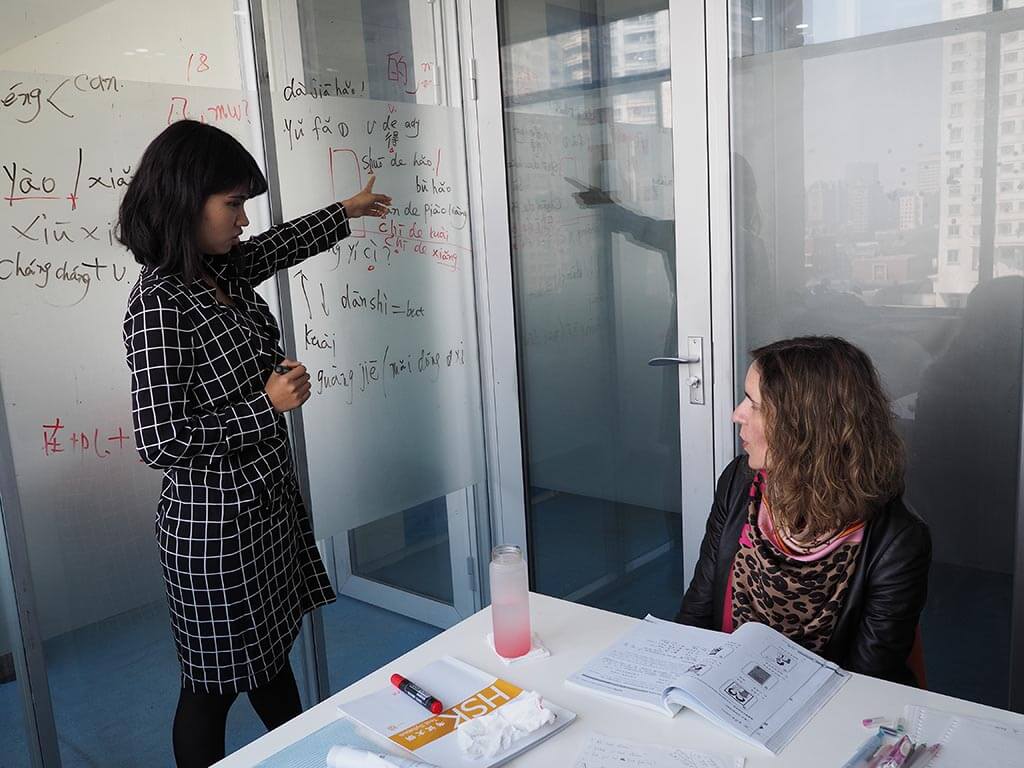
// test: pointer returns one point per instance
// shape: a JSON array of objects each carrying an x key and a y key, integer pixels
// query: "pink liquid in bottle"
[{"x": 510, "y": 601}]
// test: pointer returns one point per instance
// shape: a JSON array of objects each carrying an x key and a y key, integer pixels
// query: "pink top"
[{"x": 764, "y": 522}]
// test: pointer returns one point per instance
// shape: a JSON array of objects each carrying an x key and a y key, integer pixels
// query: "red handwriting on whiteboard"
[
  {"x": 398, "y": 69},
  {"x": 93, "y": 441},
  {"x": 197, "y": 62},
  {"x": 26, "y": 184},
  {"x": 215, "y": 113},
  {"x": 51, "y": 441}
]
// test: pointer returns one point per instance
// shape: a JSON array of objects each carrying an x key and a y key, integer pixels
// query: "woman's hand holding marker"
[{"x": 288, "y": 386}]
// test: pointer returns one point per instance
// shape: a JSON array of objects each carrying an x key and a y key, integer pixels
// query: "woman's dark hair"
[
  {"x": 180, "y": 169},
  {"x": 832, "y": 445}
]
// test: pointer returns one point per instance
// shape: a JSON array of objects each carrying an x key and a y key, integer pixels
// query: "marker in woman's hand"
[{"x": 288, "y": 386}]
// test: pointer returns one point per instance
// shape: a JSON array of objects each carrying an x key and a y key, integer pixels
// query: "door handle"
[
  {"x": 695, "y": 367},
  {"x": 673, "y": 360}
]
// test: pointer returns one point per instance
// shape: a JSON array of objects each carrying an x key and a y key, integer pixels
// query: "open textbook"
[{"x": 755, "y": 683}]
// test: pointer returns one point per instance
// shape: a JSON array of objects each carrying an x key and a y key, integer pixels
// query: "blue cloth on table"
[{"x": 311, "y": 751}]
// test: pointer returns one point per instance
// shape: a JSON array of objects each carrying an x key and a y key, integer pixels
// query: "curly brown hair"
[{"x": 834, "y": 453}]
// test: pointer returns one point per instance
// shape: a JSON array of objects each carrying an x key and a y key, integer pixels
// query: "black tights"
[{"x": 201, "y": 718}]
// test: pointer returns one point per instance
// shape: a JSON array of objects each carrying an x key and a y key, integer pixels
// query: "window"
[
  {"x": 953, "y": 256},
  {"x": 1005, "y": 186},
  {"x": 1007, "y": 126},
  {"x": 956, "y": 133},
  {"x": 954, "y": 210},
  {"x": 954, "y": 154},
  {"x": 956, "y": 86},
  {"x": 958, "y": 66},
  {"x": 1010, "y": 100},
  {"x": 1009, "y": 57},
  {"x": 956, "y": 109},
  {"x": 1005, "y": 228},
  {"x": 953, "y": 230},
  {"x": 1006, "y": 149},
  {"x": 880, "y": 272},
  {"x": 1009, "y": 77},
  {"x": 1006, "y": 207},
  {"x": 958, "y": 47}
]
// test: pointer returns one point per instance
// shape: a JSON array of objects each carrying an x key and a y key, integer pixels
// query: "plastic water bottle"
[{"x": 510, "y": 601}]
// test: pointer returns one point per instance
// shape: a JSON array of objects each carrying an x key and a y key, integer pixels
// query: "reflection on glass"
[
  {"x": 894, "y": 216},
  {"x": 764, "y": 27},
  {"x": 408, "y": 550},
  {"x": 590, "y": 192}
]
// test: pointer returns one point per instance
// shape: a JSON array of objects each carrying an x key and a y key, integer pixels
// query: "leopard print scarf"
[{"x": 801, "y": 599}]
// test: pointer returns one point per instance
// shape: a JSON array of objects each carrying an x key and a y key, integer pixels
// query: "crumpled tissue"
[{"x": 488, "y": 735}]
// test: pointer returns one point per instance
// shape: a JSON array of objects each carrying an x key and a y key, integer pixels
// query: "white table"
[{"x": 575, "y": 633}]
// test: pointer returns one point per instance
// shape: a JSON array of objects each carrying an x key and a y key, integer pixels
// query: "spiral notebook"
[{"x": 966, "y": 741}]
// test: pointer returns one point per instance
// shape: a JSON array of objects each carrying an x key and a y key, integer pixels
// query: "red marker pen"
[{"x": 413, "y": 691}]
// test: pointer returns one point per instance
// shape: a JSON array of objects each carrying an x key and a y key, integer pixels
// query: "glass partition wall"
[
  {"x": 586, "y": 94},
  {"x": 81, "y": 106},
  {"x": 390, "y": 450},
  {"x": 878, "y": 194},
  {"x": 387, "y": 321}
]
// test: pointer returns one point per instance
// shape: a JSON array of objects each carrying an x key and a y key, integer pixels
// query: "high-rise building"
[{"x": 961, "y": 177}]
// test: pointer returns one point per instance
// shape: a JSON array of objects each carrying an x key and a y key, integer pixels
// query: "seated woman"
[{"x": 808, "y": 533}]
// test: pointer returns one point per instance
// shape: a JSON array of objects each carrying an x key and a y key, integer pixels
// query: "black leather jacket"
[{"x": 875, "y": 629}]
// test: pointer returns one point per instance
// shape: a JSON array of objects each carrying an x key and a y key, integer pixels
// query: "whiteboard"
[
  {"x": 384, "y": 321},
  {"x": 68, "y": 146}
]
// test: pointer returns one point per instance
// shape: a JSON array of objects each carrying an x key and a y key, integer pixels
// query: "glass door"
[
  {"x": 386, "y": 321},
  {"x": 592, "y": 151}
]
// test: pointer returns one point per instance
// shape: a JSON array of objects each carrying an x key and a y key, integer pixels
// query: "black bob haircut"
[{"x": 159, "y": 216}]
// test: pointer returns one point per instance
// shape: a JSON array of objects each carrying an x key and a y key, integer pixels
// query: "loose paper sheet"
[{"x": 607, "y": 752}]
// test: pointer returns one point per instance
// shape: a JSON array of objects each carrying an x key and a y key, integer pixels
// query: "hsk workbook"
[{"x": 755, "y": 683}]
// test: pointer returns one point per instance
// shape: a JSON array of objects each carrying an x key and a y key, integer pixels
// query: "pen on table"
[
  {"x": 915, "y": 756},
  {"x": 866, "y": 750},
  {"x": 897, "y": 756},
  {"x": 926, "y": 756},
  {"x": 281, "y": 370},
  {"x": 417, "y": 694}
]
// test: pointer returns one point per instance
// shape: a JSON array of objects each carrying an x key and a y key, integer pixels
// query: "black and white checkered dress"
[{"x": 236, "y": 544}]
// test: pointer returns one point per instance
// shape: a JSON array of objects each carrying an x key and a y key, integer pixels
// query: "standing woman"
[
  {"x": 239, "y": 560},
  {"x": 808, "y": 532}
]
